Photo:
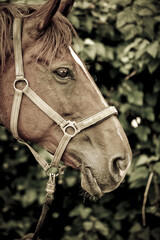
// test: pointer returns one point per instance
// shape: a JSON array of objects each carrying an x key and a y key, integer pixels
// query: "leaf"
[
  {"x": 143, "y": 44},
  {"x": 3, "y": 135},
  {"x": 143, "y": 132},
  {"x": 156, "y": 127},
  {"x": 149, "y": 28},
  {"x": 148, "y": 113},
  {"x": 156, "y": 168},
  {"x": 75, "y": 21},
  {"x": 156, "y": 86},
  {"x": 88, "y": 226},
  {"x": 102, "y": 228},
  {"x": 117, "y": 225},
  {"x": 144, "y": 12},
  {"x": 125, "y": 17},
  {"x": 143, "y": 2},
  {"x": 139, "y": 53},
  {"x": 137, "y": 184},
  {"x": 29, "y": 197},
  {"x": 126, "y": 68},
  {"x": 144, "y": 234},
  {"x": 121, "y": 214},
  {"x": 123, "y": 3},
  {"x": 138, "y": 174},
  {"x": 157, "y": 18},
  {"x": 89, "y": 42},
  {"x": 100, "y": 50},
  {"x": 153, "y": 65},
  {"x": 135, "y": 228},
  {"x": 133, "y": 45},
  {"x": 90, "y": 51},
  {"x": 144, "y": 159},
  {"x": 70, "y": 180},
  {"x": 151, "y": 99},
  {"x": 89, "y": 24},
  {"x": 136, "y": 98},
  {"x": 124, "y": 107},
  {"x": 129, "y": 31},
  {"x": 156, "y": 233},
  {"x": 153, "y": 49},
  {"x": 123, "y": 121},
  {"x": 81, "y": 211},
  {"x": 90, "y": 48}
]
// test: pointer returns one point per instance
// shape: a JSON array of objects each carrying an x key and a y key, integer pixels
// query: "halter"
[
  {"x": 65, "y": 125},
  {"x": 61, "y": 122}
]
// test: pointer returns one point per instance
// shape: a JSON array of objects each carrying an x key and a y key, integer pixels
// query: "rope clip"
[{"x": 51, "y": 184}]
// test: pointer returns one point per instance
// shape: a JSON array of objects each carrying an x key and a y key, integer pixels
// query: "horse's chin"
[{"x": 89, "y": 184}]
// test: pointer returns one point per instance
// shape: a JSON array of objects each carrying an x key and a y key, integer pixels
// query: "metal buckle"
[{"x": 73, "y": 129}]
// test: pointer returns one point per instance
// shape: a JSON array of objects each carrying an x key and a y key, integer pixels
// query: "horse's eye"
[{"x": 62, "y": 73}]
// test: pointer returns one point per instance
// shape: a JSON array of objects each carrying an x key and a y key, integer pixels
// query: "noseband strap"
[{"x": 69, "y": 128}]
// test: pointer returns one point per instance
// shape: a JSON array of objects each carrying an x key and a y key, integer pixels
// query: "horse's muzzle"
[{"x": 97, "y": 181}]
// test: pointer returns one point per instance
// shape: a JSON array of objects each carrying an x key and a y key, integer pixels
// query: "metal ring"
[
  {"x": 72, "y": 125},
  {"x": 18, "y": 80},
  {"x": 52, "y": 170}
]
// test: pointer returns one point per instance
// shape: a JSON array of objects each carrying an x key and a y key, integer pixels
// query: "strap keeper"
[{"x": 46, "y": 167}]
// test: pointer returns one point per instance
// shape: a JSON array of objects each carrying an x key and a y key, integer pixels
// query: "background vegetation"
[{"x": 120, "y": 42}]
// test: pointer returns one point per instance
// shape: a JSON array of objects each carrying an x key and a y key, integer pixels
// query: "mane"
[{"x": 58, "y": 35}]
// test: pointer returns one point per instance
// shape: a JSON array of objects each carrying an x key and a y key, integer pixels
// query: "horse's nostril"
[{"x": 122, "y": 163}]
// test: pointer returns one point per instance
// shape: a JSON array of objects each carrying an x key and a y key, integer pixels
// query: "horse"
[{"x": 54, "y": 102}]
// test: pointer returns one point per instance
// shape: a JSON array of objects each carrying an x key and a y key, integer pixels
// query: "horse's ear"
[
  {"x": 65, "y": 7},
  {"x": 48, "y": 10}
]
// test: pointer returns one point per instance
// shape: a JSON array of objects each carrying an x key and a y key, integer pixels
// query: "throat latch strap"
[{"x": 69, "y": 128}]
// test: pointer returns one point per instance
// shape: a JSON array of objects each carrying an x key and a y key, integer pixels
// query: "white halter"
[{"x": 64, "y": 124}]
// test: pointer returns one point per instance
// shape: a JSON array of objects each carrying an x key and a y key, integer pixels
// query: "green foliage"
[{"x": 120, "y": 40}]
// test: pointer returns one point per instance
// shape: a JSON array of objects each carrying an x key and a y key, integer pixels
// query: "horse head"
[{"x": 58, "y": 76}]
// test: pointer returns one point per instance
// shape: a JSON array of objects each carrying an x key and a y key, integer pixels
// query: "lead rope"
[{"x": 50, "y": 189}]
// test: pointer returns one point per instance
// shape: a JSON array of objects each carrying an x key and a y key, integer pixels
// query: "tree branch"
[{"x": 145, "y": 198}]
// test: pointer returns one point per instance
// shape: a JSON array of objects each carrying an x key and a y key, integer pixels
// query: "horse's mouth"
[{"x": 89, "y": 183}]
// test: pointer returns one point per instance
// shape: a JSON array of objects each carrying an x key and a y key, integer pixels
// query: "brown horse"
[{"x": 57, "y": 75}]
